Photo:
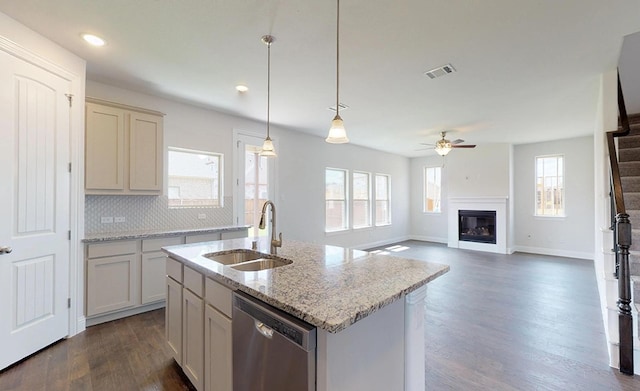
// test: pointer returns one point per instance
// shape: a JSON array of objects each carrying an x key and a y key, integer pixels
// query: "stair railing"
[{"x": 622, "y": 243}]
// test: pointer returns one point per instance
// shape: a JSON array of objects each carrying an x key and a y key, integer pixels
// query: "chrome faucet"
[{"x": 275, "y": 243}]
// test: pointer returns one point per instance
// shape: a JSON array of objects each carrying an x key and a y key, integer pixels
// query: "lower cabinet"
[
  {"x": 193, "y": 338},
  {"x": 173, "y": 318},
  {"x": 111, "y": 277},
  {"x": 199, "y": 327},
  {"x": 218, "y": 351}
]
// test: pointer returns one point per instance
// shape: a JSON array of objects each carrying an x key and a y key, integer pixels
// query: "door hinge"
[
  {"x": 69, "y": 303},
  {"x": 69, "y": 234},
  {"x": 238, "y": 144},
  {"x": 69, "y": 167},
  {"x": 70, "y": 98},
  {"x": 238, "y": 182}
]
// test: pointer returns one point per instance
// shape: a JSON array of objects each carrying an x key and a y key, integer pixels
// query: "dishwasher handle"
[{"x": 263, "y": 329}]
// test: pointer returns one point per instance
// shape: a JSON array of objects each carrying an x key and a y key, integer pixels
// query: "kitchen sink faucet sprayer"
[{"x": 275, "y": 243}]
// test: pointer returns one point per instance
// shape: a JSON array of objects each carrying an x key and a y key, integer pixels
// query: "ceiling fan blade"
[
  {"x": 429, "y": 145},
  {"x": 458, "y": 141},
  {"x": 463, "y": 146}
]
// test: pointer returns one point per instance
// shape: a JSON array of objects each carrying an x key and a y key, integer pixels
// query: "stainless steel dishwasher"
[{"x": 272, "y": 350}]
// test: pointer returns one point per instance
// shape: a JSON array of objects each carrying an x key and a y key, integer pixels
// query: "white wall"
[
  {"x": 571, "y": 235},
  {"x": 480, "y": 172},
  {"x": 300, "y": 166}
]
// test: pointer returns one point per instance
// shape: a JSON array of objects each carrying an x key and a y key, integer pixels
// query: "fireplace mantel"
[{"x": 499, "y": 204}]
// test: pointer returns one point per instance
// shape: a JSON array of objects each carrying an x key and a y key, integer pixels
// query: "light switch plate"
[
  {"x": 119, "y": 219},
  {"x": 106, "y": 220}
]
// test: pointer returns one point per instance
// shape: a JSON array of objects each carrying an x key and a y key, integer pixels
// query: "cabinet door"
[
  {"x": 173, "y": 319},
  {"x": 218, "y": 359},
  {"x": 146, "y": 153},
  {"x": 104, "y": 148},
  {"x": 193, "y": 338},
  {"x": 152, "y": 273},
  {"x": 111, "y": 283}
]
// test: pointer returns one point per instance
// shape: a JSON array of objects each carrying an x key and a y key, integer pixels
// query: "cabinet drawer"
[
  {"x": 111, "y": 248},
  {"x": 219, "y": 296},
  {"x": 174, "y": 269},
  {"x": 202, "y": 238},
  {"x": 157, "y": 244},
  {"x": 193, "y": 281}
]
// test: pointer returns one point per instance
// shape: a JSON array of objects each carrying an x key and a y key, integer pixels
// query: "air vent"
[
  {"x": 341, "y": 105},
  {"x": 440, "y": 71}
]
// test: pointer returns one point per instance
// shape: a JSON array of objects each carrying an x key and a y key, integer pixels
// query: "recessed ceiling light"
[
  {"x": 242, "y": 88},
  {"x": 93, "y": 39}
]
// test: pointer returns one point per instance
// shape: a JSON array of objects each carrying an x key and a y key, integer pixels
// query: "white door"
[
  {"x": 34, "y": 208},
  {"x": 254, "y": 182}
]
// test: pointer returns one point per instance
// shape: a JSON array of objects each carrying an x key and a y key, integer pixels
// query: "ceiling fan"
[{"x": 443, "y": 146}]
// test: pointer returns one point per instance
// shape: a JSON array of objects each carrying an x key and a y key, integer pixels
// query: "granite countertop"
[
  {"x": 149, "y": 234},
  {"x": 329, "y": 287}
]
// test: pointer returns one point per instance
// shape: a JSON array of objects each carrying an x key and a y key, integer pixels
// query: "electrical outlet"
[
  {"x": 119, "y": 219},
  {"x": 202, "y": 216},
  {"x": 106, "y": 220}
]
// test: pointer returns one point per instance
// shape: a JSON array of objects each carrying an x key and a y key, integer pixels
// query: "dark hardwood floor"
[
  {"x": 514, "y": 322},
  {"x": 494, "y": 322}
]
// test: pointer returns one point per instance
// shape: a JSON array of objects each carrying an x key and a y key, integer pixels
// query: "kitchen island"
[{"x": 368, "y": 308}]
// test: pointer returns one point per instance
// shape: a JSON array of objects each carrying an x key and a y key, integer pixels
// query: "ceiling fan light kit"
[{"x": 444, "y": 146}]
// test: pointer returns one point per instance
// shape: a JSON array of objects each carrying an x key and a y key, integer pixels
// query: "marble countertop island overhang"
[{"x": 327, "y": 286}]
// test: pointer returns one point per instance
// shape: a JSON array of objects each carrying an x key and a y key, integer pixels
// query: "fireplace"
[
  {"x": 477, "y": 226},
  {"x": 500, "y": 231}
]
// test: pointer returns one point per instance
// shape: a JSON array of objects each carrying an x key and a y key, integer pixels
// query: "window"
[
  {"x": 432, "y": 189},
  {"x": 383, "y": 210},
  {"x": 256, "y": 188},
  {"x": 550, "y": 185},
  {"x": 194, "y": 178},
  {"x": 336, "y": 214},
  {"x": 361, "y": 199}
]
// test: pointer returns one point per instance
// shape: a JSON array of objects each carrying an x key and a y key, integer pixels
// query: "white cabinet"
[
  {"x": 111, "y": 276},
  {"x": 218, "y": 341},
  {"x": 193, "y": 328},
  {"x": 123, "y": 149},
  {"x": 173, "y": 318},
  {"x": 199, "y": 327},
  {"x": 152, "y": 268}
]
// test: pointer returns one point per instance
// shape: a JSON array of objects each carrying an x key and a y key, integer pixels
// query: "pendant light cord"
[
  {"x": 268, "y": 85},
  {"x": 338, "y": 59}
]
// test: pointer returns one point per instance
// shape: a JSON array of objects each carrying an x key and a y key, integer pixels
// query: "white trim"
[
  {"x": 432, "y": 239},
  {"x": 380, "y": 243},
  {"x": 555, "y": 252}
]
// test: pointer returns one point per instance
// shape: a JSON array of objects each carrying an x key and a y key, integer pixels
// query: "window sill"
[
  {"x": 337, "y": 232},
  {"x": 431, "y": 213},
  {"x": 550, "y": 218},
  {"x": 383, "y": 225}
]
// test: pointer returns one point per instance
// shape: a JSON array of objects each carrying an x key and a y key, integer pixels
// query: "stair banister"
[{"x": 622, "y": 238}]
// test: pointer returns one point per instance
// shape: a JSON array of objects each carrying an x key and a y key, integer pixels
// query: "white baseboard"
[
  {"x": 428, "y": 239},
  {"x": 381, "y": 243},
  {"x": 554, "y": 252}
]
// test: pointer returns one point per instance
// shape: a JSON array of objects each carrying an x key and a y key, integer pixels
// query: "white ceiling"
[{"x": 527, "y": 70}]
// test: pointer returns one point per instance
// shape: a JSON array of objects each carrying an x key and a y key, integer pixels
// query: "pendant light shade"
[
  {"x": 337, "y": 132},
  {"x": 267, "y": 147}
]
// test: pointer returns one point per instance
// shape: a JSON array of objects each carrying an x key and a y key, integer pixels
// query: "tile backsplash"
[{"x": 148, "y": 213}]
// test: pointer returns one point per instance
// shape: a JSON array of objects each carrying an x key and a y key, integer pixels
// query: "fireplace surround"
[{"x": 501, "y": 227}]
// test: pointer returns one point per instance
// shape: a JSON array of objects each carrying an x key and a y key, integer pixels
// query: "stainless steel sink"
[
  {"x": 248, "y": 260},
  {"x": 261, "y": 264},
  {"x": 235, "y": 257}
]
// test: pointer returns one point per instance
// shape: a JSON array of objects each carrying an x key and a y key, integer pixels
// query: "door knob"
[{"x": 5, "y": 250}]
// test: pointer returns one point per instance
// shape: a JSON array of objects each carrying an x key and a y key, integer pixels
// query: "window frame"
[
  {"x": 388, "y": 220},
  {"x": 368, "y": 200},
  {"x": 559, "y": 174},
  {"x": 346, "y": 201},
  {"x": 425, "y": 190},
  {"x": 220, "y": 178}
]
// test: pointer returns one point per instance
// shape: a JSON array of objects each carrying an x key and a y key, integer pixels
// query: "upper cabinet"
[{"x": 123, "y": 149}]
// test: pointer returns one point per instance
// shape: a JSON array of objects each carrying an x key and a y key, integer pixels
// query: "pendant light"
[
  {"x": 267, "y": 147},
  {"x": 337, "y": 133}
]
